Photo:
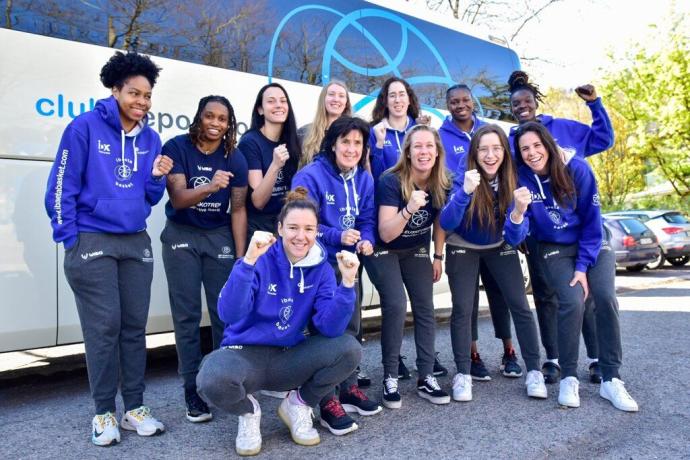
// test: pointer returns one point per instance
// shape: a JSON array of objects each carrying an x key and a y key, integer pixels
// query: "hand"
[
  {"x": 380, "y": 133},
  {"x": 348, "y": 263},
  {"x": 161, "y": 166},
  {"x": 418, "y": 200},
  {"x": 522, "y": 198},
  {"x": 349, "y": 237},
  {"x": 580, "y": 277},
  {"x": 424, "y": 120},
  {"x": 280, "y": 155},
  {"x": 472, "y": 179},
  {"x": 438, "y": 270},
  {"x": 587, "y": 92},
  {"x": 258, "y": 246},
  {"x": 365, "y": 248},
  {"x": 221, "y": 179}
]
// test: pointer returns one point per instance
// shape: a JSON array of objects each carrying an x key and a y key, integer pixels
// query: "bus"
[{"x": 51, "y": 55}]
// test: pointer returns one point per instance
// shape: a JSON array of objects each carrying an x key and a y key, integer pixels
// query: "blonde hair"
[
  {"x": 439, "y": 182},
  {"x": 317, "y": 130}
]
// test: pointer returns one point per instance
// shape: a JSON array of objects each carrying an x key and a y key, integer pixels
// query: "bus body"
[{"x": 50, "y": 57}]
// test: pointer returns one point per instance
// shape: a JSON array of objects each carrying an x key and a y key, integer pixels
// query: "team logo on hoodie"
[
  {"x": 330, "y": 198},
  {"x": 347, "y": 221},
  {"x": 123, "y": 172},
  {"x": 284, "y": 314},
  {"x": 595, "y": 200},
  {"x": 458, "y": 149}
]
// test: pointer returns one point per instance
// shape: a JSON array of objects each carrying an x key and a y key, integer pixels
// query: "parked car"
[
  {"x": 634, "y": 243},
  {"x": 671, "y": 228}
]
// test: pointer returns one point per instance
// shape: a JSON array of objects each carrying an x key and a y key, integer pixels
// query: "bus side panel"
[{"x": 28, "y": 300}]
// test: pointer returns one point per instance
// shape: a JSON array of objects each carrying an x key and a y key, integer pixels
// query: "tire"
[
  {"x": 635, "y": 268},
  {"x": 679, "y": 261},
  {"x": 658, "y": 263}
]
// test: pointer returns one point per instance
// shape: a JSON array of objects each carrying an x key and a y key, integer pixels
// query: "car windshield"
[
  {"x": 675, "y": 218},
  {"x": 632, "y": 226}
]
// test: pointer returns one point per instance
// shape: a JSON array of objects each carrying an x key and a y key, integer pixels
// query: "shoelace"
[
  {"x": 391, "y": 385},
  {"x": 141, "y": 413},
  {"x": 534, "y": 378},
  {"x": 459, "y": 381},
  {"x": 333, "y": 406},
  {"x": 620, "y": 389},
  {"x": 356, "y": 392},
  {"x": 107, "y": 419},
  {"x": 432, "y": 383}
]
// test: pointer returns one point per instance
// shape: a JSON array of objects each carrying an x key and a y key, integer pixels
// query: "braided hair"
[{"x": 230, "y": 136}]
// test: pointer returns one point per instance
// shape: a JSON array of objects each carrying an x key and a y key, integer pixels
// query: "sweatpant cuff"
[
  {"x": 105, "y": 406},
  {"x": 132, "y": 402},
  {"x": 609, "y": 373}
]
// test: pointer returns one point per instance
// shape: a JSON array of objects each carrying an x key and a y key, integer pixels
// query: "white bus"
[{"x": 51, "y": 52}]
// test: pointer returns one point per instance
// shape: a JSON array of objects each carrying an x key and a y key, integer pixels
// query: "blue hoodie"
[
  {"x": 386, "y": 157},
  {"x": 273, "y": 301},
  {"x": 578, "y": 139},
  {"x": 453, "y": 219},
  {"x": 345, "y": 202},
  {"x": 97, "y": 183},
  {"x": 456, "y": 142},
  {"x": 549, "y": 222}
]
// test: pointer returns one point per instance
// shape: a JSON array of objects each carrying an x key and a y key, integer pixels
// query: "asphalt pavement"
[{"x": 48, "y": 416}]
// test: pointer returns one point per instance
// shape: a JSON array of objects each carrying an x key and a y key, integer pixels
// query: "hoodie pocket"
[{"x": 128, "y": 215}]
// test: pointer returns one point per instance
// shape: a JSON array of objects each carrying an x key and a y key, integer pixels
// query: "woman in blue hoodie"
[
  {"x": 273, "y": 153},
  {"x": 395, "y": 111},
  {"x": 575, "y": 139},
  {"x": 107, "y": 174},
  {"x": 456, "y": 134},
  {"x": 201, "y": 238},
  {"x": 565, "y": 220},
  {"x": 274, "y": 294},
  {"x": 338, "y": 182},
  {"x": 485, "y": 217},
  {"x": 409, "y": 197}
]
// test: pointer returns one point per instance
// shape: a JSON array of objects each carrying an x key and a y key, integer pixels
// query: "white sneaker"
[
  {"x": 141, "y": 421},
  {"x": 104, "y": 430},
  {"x": 275, "y": 394},
  {"x": 615, "y": 392},
  {"x": 298, "y": 417},
  {"x": 568, "y": 393},
  {"x": 535, "y": 385},
  {"x": 462, "y": 387},
  {"x": 248, "y": 440}
]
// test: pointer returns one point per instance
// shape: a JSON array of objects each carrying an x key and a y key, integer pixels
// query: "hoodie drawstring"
[
  {"x": 122, "y": 145},
  {"x": 134, "y": 149},
  {"x": 541, "y": 189},
  {"x": 301, "y": 277},
  {"x": 347, "y": 193}
]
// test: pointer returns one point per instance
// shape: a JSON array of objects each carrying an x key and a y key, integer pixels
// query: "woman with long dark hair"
[
  {"x": 565, "y": 220},
  {"x": 107, "y": 175},
  {"x": 205, "y": 231},
  {"x": 485, "y": 218},
  {"x": 273, "y": 153}
]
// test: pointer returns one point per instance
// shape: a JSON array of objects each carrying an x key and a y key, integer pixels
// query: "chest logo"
[
  {"x": 123, "y": 172},
  {"x": 419, "y": 218},
  {"x": 330, "y": 198},
  {"x": 347, "y": 222},
  {"x": 272, "y": 289},
  {"x": 103, "y": 148},
  {"x": 198, "y": 181}
]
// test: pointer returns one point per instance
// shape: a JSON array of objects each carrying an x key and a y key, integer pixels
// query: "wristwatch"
[{"x": 438, "y": 257}]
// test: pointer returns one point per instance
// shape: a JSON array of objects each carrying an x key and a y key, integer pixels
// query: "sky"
[{"x": 573, "y": 37}]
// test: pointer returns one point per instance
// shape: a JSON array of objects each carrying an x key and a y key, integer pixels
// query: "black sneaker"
[
  {"x": 334, "y": 417},
  {"x": 551, "y": 371},
  {"x": 478, "y": 370},
  {"x": 363, "y": 380},
  {"x": 403, "y": 372},
  {"x": 509, "y": 364},
  {"x": 595, "y": 372},
  {"x": 439, "y": 370},
  {"x": 354, "y": 400},
  {"x": 197, "y": 409},
  {"x": 429, "y": 389},
  {"x": 391, "y": 396}
]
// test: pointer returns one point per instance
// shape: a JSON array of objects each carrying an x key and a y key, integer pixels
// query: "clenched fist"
[
  {"x": 380, "y": 133},
  {"x": 348, "y": 263},
  {"x": 221, "y": 179},
  {"x": 258, "y": 246},
  {"x": 472, "y": 179},
  {"x": 350, "y": 237},
  {"x": 522, "y": 198},
  {"x": 280, "y": 155},
  {"x": 418, "y": 200},
  {"x": 161, "y": 166}
]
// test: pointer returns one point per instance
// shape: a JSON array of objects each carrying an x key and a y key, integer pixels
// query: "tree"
[{"x": 652, "y": 94}]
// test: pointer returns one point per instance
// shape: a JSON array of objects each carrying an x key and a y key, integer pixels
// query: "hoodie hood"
[
  {"x": 110, "y": 113},
  {"x": 316, "y": 256}
]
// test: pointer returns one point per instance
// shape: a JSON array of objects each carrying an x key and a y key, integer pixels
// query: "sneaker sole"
[
  {"x": 511, "y": 375},
  {"x": 392, "y": 404},
  {"x": 434, "y": 399},
  {"x": 247, "y": 452},
  {"x": 463, "y": 399},
  {"x": 98, "y": 443},
  {"x": 301, "y": 442},
  {"x": 340, "y": 432},
  {"x": 129, "y": 427},
  {"x": 352, "y": 409},
  {"x": 624, "y": 409},
  {"x": 199, "y": 418},
  {"x": 486, "y": 378},
  {"x": 569, "y": 405},
  {"x": 538, "y": 395}
]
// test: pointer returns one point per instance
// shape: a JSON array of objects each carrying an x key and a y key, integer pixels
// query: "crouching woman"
[{"x": 272, "y": 295}]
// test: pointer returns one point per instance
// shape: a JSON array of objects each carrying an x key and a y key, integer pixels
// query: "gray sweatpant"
[
  {"x": 462, "y": 267},
  {"x": 111, "y": 276},
  {"x": 392, "y": 272},
  {"x": 559, "y": 266},
  {"x": 193, "y": 257},
  {"x": 315, "y": 366}
]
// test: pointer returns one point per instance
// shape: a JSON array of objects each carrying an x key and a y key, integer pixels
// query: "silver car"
[{"x": 671, "y": 228}]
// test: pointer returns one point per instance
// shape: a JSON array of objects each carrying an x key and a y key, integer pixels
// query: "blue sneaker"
[{"x": 509, "y": 365}]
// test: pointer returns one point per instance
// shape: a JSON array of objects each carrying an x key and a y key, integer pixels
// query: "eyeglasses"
[{"x": 495, "y": 149}]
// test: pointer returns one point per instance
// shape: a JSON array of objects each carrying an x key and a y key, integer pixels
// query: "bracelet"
[
  {"x": 438, "y": 257},
  {"x": 402, "y": 211}
]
